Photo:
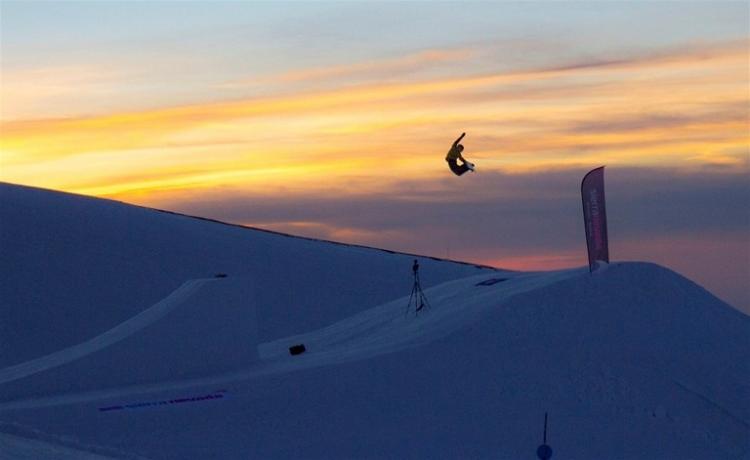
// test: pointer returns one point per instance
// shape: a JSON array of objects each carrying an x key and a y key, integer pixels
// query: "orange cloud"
[
  {"x": 679, "y": 105},
  {"x": 26, "y": 92}
]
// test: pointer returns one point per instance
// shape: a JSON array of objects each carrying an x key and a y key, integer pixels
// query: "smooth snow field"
[{"x": 127, "y": 332}]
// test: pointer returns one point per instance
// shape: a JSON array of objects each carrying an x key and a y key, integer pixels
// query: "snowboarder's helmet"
[{"x": 460, "y": 148}]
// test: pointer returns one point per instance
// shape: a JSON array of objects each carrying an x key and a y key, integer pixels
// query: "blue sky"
[{"x": 204, "y": 44}]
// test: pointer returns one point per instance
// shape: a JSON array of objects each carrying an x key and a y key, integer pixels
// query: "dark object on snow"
[
  {"x": 417, "y": 296},
  {"x": 297, "y": 349},
  {"x": 491, "y": 281},
  {"x": 544, "y": 452},
  {"x": 220, "y": 275}
]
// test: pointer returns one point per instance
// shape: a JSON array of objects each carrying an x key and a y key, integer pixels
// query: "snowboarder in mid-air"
[{"x": 454, "y": 154}]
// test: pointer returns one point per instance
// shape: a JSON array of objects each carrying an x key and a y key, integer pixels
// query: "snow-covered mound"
[
  {"x": 73, "y": 267},
  {"x": 147, "y": 354}
]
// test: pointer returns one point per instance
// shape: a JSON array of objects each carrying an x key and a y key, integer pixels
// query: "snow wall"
[{"x": 205, "y": 327}]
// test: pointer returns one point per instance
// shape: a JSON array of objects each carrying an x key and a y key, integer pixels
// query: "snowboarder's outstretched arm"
[
  {"x": 459, "y": 148},
  {"x": 455, "y": 143}
]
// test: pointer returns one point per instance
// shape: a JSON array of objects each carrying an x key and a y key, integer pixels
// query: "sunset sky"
[{"x": 332, "y": 120}]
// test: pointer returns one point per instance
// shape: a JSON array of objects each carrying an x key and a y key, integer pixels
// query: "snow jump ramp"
[{"x": 204, "y": 327}]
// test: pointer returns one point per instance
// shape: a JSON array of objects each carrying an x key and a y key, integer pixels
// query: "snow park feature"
[
  {"x": 165, "y": 341},
  {"x": 105, "y": 305}
]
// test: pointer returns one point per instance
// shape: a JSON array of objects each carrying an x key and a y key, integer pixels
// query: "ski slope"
[
  {"x": 384, "y": 329},
  {"x": 114, "y": 335},
  {"x": 634, "y": 361}
]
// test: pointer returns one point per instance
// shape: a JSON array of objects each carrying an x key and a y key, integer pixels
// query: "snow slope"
[
  {"x": 73, "y": 267},
  {"x": 160, "y": 359}
]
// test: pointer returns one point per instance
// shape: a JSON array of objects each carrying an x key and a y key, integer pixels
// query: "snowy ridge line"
[
  {"x": 383, "y": 329},
  {"x": 319, "y": 240},
  {"x": 110, "y": 337},
  {"x": 246, "y": 227}
]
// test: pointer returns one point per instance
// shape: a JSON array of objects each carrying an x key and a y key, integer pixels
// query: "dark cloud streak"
[{"x": 528, "y": 210}]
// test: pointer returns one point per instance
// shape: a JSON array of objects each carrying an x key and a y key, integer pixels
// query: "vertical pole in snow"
[{"x": 544, "y": 452}]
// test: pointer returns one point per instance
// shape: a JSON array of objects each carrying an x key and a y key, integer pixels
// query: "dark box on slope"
[{"x": 297, "y": 349}]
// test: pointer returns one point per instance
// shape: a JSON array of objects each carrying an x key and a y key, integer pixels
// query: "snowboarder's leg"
[{"x": 457, "y": 170}]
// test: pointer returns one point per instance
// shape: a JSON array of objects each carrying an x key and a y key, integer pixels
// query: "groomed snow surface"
[{"x": 132, "y": 333}]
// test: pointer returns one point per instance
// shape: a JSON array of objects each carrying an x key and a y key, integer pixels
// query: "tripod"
[{"x": 417, "y": 296}]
